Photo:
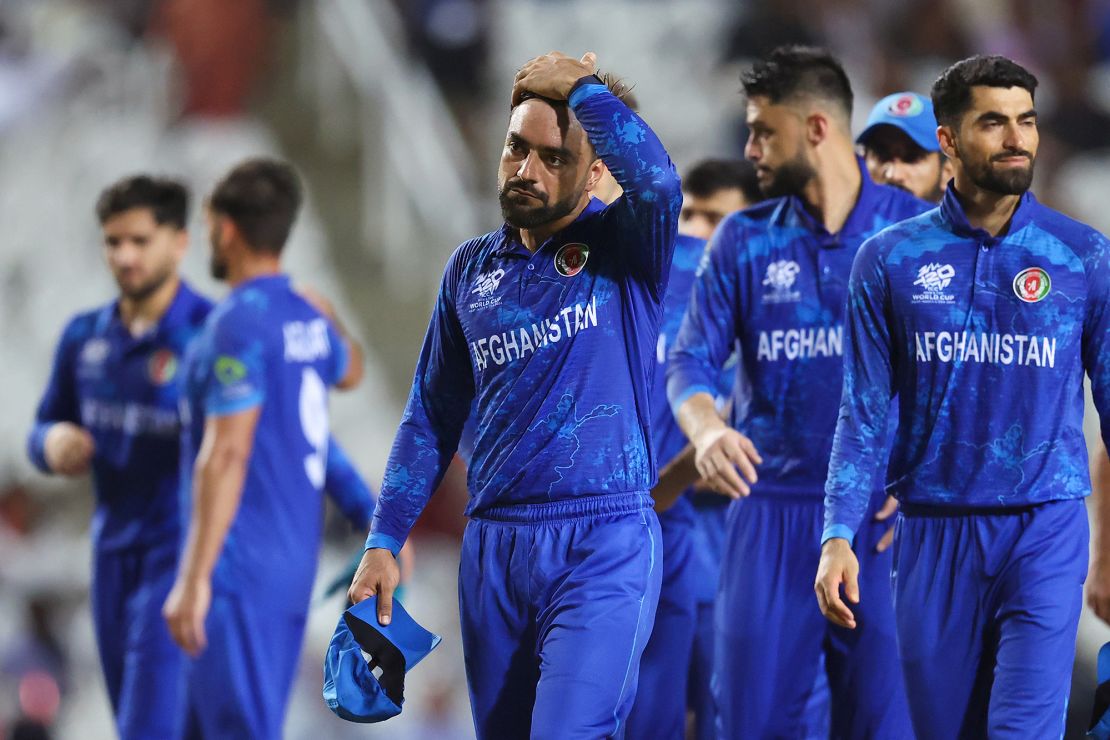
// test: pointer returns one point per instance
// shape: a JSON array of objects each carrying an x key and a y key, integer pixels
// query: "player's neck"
[
  {"x": 832, "y": 193},
  {"x": 139, "y": 315},
  {"x": 533, "y": 238},
  {"x": 984, "y": 209},
  {"x": 253, "y": 266}
]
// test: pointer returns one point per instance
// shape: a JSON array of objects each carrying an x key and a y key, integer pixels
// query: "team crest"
[
  {"x": 905, "y": 106},
  {"x": 1032, "y": 284},
  {"x": 571, "y": 258},
  {"x": 162, "y": 367}
]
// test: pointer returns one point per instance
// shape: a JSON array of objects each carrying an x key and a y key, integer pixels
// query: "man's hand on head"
[{"x": 552, "y": 75}]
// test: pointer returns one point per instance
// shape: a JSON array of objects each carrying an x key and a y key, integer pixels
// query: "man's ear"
[
  {"x": 946, "y": 135},
  {"x": 817, "y": 127},
  {"x": 597, "y": 170}
]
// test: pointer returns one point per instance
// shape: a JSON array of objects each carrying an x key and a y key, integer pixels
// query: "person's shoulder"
[
  {"x": 761, "y": 215},
  {"x": 197, "y": 305},
  {"x": 87, "y": 323},
  {"x": 915, "y": 231},
  {"x": 899, "y": 203},
  {"x": 1082, "y": 238}
]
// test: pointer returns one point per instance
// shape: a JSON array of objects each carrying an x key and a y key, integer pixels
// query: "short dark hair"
[
  {"x": 790, "y": 72},
  {"x": 262, "y": 197},
  {"x": 167, "y": 200},
  {"x": 951, "y": 92},
  {"x": 712, "y": 175},
  {"x": 620, "y": 88}
]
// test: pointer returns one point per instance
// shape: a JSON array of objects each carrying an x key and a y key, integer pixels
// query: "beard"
[
  {"x": 789, "y": 178},
  {"x": 1010, "y": 181},
  {"x": 217, "y": 267},
  {"x": 142, "y": 291},
  {"x": 522, "y": 216}
]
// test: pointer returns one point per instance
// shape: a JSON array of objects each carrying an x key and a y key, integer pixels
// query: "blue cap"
[
  {"x": 350, "y": 688},
  {"x": 909, "y": 112},
  {"x": 1100, "y": 717}
]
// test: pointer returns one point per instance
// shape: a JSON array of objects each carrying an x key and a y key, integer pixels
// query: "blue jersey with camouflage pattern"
[
  {"x": 776, "y": 280},
  {"x": 984, "y": 341},
  {"x": 555, "y": 347}
]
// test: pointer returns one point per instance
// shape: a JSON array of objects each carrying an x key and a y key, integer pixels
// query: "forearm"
[
  {"x": 698, "y": 415},
  {"x": 1100, "y": 494},
  {"x": 217, "y": 491},
  {"x": 676, "y": 476}
]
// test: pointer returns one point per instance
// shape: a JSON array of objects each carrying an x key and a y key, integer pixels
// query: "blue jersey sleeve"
[
  {"x": 861, "y": 427},
  {"x": 59, "y": 401},
  {"x": 347, "y": 488},
  {"x": 639, "y": 163},
  {"x": 1096, "y": 330},
  {"x": 237, "y": 378},
  {"x": 437, "y": 407},
  {"x": 709, "y": 329}
]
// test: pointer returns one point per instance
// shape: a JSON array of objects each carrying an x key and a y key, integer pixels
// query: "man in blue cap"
[{"x": 900, "y": 146}]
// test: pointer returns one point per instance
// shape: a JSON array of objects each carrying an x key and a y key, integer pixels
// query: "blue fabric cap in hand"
[
  {"x": 1100, "y": 717},
  {"x": 351, "y": 689},
  {"x": 910, "y": 113}
]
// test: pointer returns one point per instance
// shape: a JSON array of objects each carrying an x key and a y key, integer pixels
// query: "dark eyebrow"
[
  {"x": 997, "y": 117},
  {"x": 558, "y": 151}
]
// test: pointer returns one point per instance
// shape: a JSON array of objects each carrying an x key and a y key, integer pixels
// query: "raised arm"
[{"x": 628, "y": 147}]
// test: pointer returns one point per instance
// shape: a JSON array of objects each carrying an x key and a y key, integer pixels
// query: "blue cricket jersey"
[
  {"x": 555, "y": 348},
  {"x": 264, "y": 345},
  {"x": 777, "y": 281},
  {"x": 984, "y": 341},
  {"x": 123, "y": 390}
]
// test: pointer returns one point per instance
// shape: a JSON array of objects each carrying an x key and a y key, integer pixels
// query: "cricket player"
[
  {"x": 550, "y": 324},
  {"x": 776, "y": 282},
  {"x": 980, "y": 318},
  {"x": 111, "y": 407},
  {"x": 901, "y": 149},
  {"x": 255, "y": 420},
  {"x": 692, "y": 525}
]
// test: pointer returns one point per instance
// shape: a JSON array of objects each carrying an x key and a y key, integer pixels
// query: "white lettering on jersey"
[
  {"x": 306, "y": 341},
  {"x": 801, "y": 344},
  {"x": 985, "y": 347},
  {"x": 517, "y": 343}
]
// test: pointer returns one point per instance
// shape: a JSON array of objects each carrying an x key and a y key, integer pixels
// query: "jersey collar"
[
  {"x": 860, "y": 219},
  {"x": 953, "y": 212},
  {"x": 176, "y": 313}
]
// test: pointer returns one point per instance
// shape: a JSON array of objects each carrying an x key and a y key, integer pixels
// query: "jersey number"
[{"x": 314, "y": 422}]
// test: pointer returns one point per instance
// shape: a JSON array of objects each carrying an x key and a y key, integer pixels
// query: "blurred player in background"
[
  {"x": 981, "y": 317},
  {"x": 776, "y": 281},
  {"x": 111, "y": 407},
  {"x": 255, "y": 418},
  {"x": 900, "y": 146},
  {"x": 711, "y": 190},
  {"x": 550, "y": 323},
  {"x": 682, "y": 635}
]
